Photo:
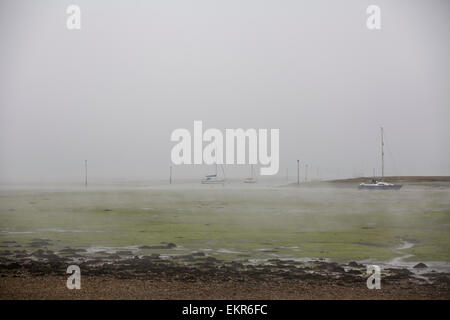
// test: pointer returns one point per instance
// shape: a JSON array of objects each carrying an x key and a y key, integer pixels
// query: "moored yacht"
[
  {"x": 214, "y": 178},
  {"x": 380, "y": 185}
]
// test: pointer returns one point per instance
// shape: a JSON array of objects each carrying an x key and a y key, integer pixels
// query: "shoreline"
[{"x": 203, "y": 277}]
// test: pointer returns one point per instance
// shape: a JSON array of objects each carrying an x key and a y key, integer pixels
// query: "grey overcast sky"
[{"x": 114, "y": 91}]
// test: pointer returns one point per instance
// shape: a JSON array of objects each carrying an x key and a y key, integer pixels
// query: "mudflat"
[{"x": 232, "y": 241}]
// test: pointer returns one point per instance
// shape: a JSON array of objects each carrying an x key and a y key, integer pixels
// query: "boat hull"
[
  {"x": 213, "y": 181},
  {"x": 378, "y": 187}
]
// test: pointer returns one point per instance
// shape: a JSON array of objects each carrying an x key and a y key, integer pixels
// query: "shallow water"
[{"x": 260, "y": 221}]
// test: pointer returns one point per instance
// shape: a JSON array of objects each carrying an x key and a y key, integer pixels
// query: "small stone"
[
  {"x": 354, "y": 264},
  {"x": 420, "y": 266}
]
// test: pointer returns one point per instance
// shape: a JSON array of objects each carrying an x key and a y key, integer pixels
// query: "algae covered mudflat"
[{"x": 232, "y": 222}]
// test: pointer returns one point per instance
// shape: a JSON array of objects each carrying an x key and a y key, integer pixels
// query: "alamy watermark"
[
  {"x": 374, "y": 19},
  {"x": 73, "y": 21},
  {"x": 190, "y": 150},
  {"x": 74, "y": 280},
  {"x": 374, "y": 280}
]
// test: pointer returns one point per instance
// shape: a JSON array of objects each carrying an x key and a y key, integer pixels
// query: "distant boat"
[
  {"x": 251, "y": 179},
  {"x": 380, "y": 185},
  {"x": 214, "y": 178}
]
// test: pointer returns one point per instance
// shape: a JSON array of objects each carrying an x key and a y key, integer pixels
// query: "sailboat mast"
[
  {"x": 382, "y": 154},
  {"x": 86, "y": 176},
  {"x": 223, "y": 171}
]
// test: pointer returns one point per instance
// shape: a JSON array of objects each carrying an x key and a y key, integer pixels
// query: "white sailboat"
[
  {"x": 214, "y": 178},
  {"x": 251, "y": 179},
  {"x": 380, "y": 185}
]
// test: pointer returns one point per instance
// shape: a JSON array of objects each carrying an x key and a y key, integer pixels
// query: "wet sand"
[{"x": 26, "y": 286}]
